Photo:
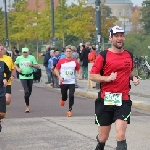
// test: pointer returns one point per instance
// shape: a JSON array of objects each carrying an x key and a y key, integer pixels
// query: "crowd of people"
[
  {"x": 83, "y": 54},
  {"x": 113, "y": 68}
]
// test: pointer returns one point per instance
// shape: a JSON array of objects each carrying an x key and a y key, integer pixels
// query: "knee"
[
  {"x": 8, "y": 99},
  {"x": 8, "y": 102},
  {"x": 2, "y": 115},
  {"x": 102, "y": 138},
  {"x": 26, "y": 94}
]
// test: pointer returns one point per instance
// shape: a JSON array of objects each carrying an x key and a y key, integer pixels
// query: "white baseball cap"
[
  {"x": 116, "y": 29},
  {"x": 80, "y": 44}
]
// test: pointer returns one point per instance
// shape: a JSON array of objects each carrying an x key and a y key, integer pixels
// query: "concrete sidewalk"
[
  {"x": 139, "y": 94},
  {"x": 62, "y": 133}
]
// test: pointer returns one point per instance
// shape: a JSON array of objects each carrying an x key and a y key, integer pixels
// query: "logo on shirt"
[
  {"x": 127, "y": 66},
  {"x": 25, "y": 64}
]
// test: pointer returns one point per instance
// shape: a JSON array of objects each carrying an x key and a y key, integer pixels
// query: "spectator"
[
  {"x": 62, "y": 55},
  {"x": 88, "y": 47},
  {"x": 45, "y": 63},
  {"x": 55, "y": 61},
  {"x": 75, "y": 55},
  {"x": 84, "y": 61},
  {"x": 92, "y": 55},
  {"x": 50, "y": 65}
]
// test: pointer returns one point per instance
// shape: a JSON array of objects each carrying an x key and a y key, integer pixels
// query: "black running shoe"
[{"x": 99, "y": 146}]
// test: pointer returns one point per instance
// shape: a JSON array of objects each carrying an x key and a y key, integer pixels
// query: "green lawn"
[{"x": 40, "y": 59}]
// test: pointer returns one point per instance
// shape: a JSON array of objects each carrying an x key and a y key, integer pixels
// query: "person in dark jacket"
[
  {"x": 84, "y": 61},
  {"x": 45, "y": 63},
  {"x": 55, "y": 61},
  {"x": 3, "y": 83}
]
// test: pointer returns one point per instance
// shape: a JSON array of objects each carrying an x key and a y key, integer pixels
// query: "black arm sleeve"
[{"x": 7, "y": 72}]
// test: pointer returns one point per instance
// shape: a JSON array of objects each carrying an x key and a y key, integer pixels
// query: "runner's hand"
[
  {"x": 29, "y": 64},
  {"x": 19, "y": 70},
  {"x": 136, "y": 81},
  {"x": 61, "y": 79},
  {"x": 5, "y": 82},
  {"x": 112, "y": 77},
  {"x": 12, "y": 78}
]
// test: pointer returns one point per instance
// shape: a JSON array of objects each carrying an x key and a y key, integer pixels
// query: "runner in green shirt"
[{"x": 24, "y": 65}]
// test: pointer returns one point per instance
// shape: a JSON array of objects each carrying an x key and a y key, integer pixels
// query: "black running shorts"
[
  {"x": 105, "y": 115},
  {"x": 3, "y": 104},
  {"x": 8, "y": 89}
]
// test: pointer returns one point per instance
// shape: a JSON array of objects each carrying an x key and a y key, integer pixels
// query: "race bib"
[
  {"x": 25, "y": 64},
  {"x": 113, "y": 99}
]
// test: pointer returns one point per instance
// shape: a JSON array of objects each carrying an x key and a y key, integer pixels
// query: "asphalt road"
[{"x": 44, "y": 102}]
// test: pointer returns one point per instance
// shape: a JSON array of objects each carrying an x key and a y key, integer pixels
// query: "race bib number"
[
  {"x": 69, "y": 73},
  {"x": 113, "y": 99}
]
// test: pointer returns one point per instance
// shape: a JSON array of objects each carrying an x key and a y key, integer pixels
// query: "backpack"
[{"x": 103, "y": 54}]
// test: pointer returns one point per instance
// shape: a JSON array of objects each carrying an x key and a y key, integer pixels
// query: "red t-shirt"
[
  {"x": 67, "y": 69},
  {"x": 115, "y": 62}
]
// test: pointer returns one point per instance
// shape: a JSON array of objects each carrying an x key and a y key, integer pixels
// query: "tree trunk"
[{"x": 37, "y": 52}]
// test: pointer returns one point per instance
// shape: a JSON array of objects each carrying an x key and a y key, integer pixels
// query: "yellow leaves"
[{"x": 77, "y": 20}]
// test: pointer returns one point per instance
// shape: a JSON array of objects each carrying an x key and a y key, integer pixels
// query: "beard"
[{"x": 118, "y": 46}]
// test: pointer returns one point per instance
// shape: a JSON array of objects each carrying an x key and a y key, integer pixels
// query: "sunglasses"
[{"x": 24, "y": 52}]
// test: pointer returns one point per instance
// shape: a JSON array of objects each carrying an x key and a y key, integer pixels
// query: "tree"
[
  {"x": 137, "y": 44},
  {"x": 15, "y": 3},
  {"x": 61, "y": 14},
  {"x": 135, "y": 19},
  {"x": 145, "y": 11},
  {"x": 107, "y": 21},
  {"x": 2, "y": 26},
  {"x": 81, "y": 20},
  {"x": 18, "y": 22}
]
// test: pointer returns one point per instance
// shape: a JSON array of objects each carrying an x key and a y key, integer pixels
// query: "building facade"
[
  {"x": 122, "y": 9},
  {"x": 40, "y": 3}
]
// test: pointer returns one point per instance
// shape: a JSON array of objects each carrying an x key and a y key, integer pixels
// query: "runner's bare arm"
[
  {"x": 7, "y": 72},
  {"x": 99, "y": 78},
  {"x": 17, "y": 68},
  {"x": 56, "y": 71},
  {"x": 35, "y": 66},
  {"x": 79, "y": 73},
  {"x": 13, "y": 72}
]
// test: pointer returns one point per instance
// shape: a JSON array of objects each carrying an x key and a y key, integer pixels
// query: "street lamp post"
[
  {"x": 6, "y": 25},
  {"x": 98, "y": 25},
  {"x": 52, "y": 22},
  {"x": 98, "y": 30}
]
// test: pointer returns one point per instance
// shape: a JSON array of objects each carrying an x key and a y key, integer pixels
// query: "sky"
[{"x": 135, "y": 2}]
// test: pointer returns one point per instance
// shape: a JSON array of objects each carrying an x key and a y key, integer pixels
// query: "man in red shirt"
[
  {"x": 65, "y": 71},
  {"x": 113, "y": 104}
]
